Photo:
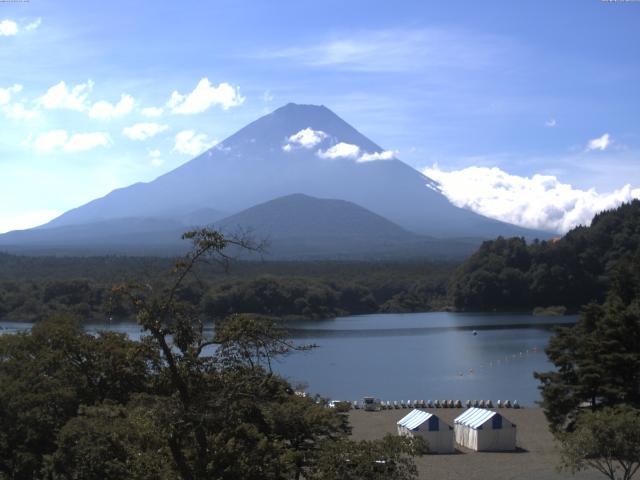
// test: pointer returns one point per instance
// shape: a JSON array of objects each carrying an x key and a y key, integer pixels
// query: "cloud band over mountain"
[{"x": 541, "y": 202}]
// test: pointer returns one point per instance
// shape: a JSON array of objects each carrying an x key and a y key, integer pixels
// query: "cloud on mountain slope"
[
  {"x": 340, "y": 150},
  {"x": 306, "y": 138},
  {"x": 539, "y": 202},
  {"x": 189, "y": 142},
  {"x": 377, "y": 156}
]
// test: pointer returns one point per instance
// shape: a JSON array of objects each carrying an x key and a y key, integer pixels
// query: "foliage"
[
  {"x": 110, "y": 441},
  {"x": 33, "y": 288},
  {"x": 607, "y": 440},
  {"x": 508, "y": 274},
  {"x": 47, "y": 374},
  {"x": 179, "y": 404},
  {"x": 598, "y": 359},
  {"x": 390, "y": 457}
]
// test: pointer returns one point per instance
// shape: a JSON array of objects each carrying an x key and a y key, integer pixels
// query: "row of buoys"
[
  {"x": 396, "y": 405},
  {"x": 501, "y": 361}
]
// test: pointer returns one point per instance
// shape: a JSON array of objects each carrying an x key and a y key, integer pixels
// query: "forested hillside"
[
  {"x": 31, "y": 288},
  {"x": 509, "y": 274}
]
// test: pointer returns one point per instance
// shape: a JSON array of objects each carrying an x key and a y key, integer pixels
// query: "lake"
[{"x": 413, "y": 356}]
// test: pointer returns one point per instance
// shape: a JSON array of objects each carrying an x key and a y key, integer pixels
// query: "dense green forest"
[
  {"x": 32, "y": 288},
  {"x": 592, "y": 396},
  {"x": 508, "y": 274},
  {"x": 103, "y": 407},
  {"x": 598, "y": 359}
]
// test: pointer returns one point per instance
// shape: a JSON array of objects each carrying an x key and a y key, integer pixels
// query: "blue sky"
[{"x": 533, "y": 98}]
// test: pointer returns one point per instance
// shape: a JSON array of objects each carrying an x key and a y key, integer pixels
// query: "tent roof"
[
  {"x": 414, "y": 419},
  {"x": 475, "y": 417}
]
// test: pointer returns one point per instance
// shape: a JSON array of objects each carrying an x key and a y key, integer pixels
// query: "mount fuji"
[{"x": 297, "y": 149}]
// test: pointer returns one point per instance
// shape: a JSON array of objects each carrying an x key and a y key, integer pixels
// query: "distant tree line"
[
  {"x": 32, "y": 288},
  {"x": 508, "y": 274}
]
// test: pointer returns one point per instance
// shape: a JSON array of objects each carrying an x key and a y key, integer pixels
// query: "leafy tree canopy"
[
  {"x": 598, "y": 359},
  {"x": 179, "y": 404},
  {"x": 607, "y": 441},
  {"x": 508, "y": 274}
]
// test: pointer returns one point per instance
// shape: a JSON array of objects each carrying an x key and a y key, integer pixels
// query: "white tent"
[
  {"x": 480, "y": 429},
  {"x": 437, "y": 433}
]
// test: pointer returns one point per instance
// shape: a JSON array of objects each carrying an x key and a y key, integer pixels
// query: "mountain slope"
[
  {"x": 251, "y": 167},
  {"x": 295, "y": 227},
  {"x": 302, "y": 227},
  {"x": 261, "y": 162},
  {"x": 300, "y": 215}
]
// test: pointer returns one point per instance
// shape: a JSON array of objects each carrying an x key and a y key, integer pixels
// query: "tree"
[
  {"x": 388, "y": 458},
  {"x": 607, "y": 440},
  {"x": 224, "y": 413},
  {"x": 571, "y": 271},
  {"x": 598, "y": 359},
  {"x": 47, "y": 374},
  {"x": 110, "y": 441},
  {"x": 181, "y": 403}
]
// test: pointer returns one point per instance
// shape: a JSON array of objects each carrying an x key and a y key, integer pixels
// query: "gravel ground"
[{"x": 536, "y": 457}]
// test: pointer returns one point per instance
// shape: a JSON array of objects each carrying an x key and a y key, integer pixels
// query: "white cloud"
[
  {"x": 33, "y": 25},
  {"x": 398, "y": 50},
  {"x": 18, "y": 111},
  {"x": 103, "y": 110},
  {"x": 340, "y": 150},
  {"x": 152, "y": 112},
  {"x": 24, "y": 220},
  {"x": 154, "y": 154},
  {"x": 540, "y": 202},
  {"x": 142, "y": 131},
  {"x": 190, "y": 143},
  {"x": 15, "y": 110},
  {"x": 205, "y": 96},
  {"x": 376, "y": 156},
  {"x": 551, "y": 123},
  {"x": 49, "y": 140},
  {"x": 77, "y": 142},
  {"x": 8, "y": 28},
  {"x": 62, "y": 97},
  {"x": 7, "y": 93},
  {"x": 307, "y": 138},
  {"x": 600, "y": 143}
]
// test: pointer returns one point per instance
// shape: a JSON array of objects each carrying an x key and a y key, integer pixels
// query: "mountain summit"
[{"x": 295, "y": 149}]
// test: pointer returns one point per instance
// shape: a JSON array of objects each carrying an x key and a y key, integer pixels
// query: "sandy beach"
[{"x": 536, "y": 457}]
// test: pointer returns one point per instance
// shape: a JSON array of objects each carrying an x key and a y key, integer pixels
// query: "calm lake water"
[{"x": 413, "y": 356}]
